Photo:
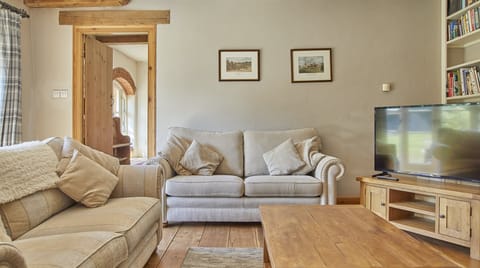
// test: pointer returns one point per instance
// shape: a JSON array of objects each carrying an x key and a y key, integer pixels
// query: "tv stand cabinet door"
[
  {"x": 454, "y": 218},
  {"x": 376, "y": 200}
]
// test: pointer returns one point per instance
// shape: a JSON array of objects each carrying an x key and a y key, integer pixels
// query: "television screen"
[{"x": 430, "y": 140}]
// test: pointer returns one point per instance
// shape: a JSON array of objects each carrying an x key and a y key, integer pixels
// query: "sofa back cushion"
[
  {"x": 259, "y": 142},
  {"x": 24, "y": 214},
  {"x": 227, "y": 144}
]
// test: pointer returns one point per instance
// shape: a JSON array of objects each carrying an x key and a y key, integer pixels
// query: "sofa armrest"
[
  {"x": 10, "y": 256},
  {"x": 166, "y": 172},
  {"x": 139, "y": 181},
  {"x": 329, "y": 170}
]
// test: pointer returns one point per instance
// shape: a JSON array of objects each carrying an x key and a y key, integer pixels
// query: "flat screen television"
[{"x": 441, "y": 141}]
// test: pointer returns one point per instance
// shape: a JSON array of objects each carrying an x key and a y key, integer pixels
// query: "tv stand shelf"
[{"x": 445, "y": 211}]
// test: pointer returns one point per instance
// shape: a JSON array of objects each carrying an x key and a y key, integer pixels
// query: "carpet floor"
[{"x": 202, "y": 257}]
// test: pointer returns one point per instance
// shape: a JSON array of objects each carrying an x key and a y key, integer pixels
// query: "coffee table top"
[{"x": 340, "y": 236}]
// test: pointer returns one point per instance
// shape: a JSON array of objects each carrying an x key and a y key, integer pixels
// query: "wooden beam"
[
  {"x": 123, "y": 39},
  {"x": 114, "y": 17},
  {"x": 74, "y": 3}
]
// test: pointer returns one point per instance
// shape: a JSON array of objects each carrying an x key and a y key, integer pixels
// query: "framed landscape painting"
[
  {"x": 239, "y": 65},
  {"x": 311, "y": 65}
]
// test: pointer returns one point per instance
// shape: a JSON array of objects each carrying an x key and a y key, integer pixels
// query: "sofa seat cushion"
[
  {"x": 290, "y": 185},
  {"x": 85, "y": 249},
  {"x": 205, "y": 186},
  {"x": 131, "y": 216}
]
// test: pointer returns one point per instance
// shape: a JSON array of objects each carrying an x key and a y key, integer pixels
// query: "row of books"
[
  {"x": 463, "y": 82},
  {"x": 468, "y": 22},
  {"x": 456, "y": 5}
]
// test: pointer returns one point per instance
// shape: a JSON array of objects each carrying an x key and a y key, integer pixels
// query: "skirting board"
[{"x": 348, "y": 200}]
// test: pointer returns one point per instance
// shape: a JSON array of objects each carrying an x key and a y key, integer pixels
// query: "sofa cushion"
[
  {"x": 131, "y": 216},
  {"x": 258, "y": 142},
  {"x": 228, "y": 144},
  {"x": 87, "y": 182},
  {"x": 276, "y": 186},
  {"x": 200, "y": 160},
  {"x": 283, "y": 159},
  {"x": 206, "y": 186},
  {"x": 69, "y": 145},
  {"x": 173, "y": 150},
  {"x": 309, "y": 153},
  {"x": 56, "y": 143},
  {"x": 85, "y": 249},
  {"x": 23, "y": 214}
]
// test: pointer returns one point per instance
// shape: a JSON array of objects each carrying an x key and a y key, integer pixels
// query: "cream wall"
[{"x": 373, "y": 42}]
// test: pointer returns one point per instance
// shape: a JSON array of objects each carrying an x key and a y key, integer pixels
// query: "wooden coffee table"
[{"x": 340, "y": 236}]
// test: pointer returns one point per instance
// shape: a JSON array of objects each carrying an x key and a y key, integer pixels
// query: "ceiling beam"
[
  {"x": 114, "y": 17},
  {"x": 74, "y": 3},
  {"x": 123, "y": 39}
]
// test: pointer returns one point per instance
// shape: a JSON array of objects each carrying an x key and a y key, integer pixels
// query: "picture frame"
[
  {"x": 239, "y": 65},
  {"x": 311, "y": 65}
]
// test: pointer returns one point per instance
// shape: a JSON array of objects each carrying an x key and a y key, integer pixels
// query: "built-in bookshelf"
[{"x": 461, "y": 51}]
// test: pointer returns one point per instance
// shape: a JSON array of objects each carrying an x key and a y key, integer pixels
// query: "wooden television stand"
[{"x": 445, "y": 211}]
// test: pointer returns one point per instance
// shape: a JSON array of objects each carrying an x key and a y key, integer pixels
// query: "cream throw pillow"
[
  {"x": 200, "y": 160},
  {"x": 173, "y": 151},
  {"x": 283, "y": 159},
  {"x": 309, "y": 153},
  {"x": 86, "y": 181},
  {"x": 109, "y": 162}
]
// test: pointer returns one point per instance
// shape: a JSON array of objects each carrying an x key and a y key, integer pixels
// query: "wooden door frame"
[{"x": 77, "y": 91}]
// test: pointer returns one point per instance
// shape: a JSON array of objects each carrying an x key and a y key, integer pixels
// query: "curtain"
[{"x": 10, "y": 79}]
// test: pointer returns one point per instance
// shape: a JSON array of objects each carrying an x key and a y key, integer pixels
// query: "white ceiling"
[{"x": 136, "y": 52}]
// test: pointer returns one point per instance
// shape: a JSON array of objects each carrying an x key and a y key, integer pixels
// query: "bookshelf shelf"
[
  {"x": 465, "y": 64},
  {"x": 466, "y": 97},
  {"x": 465, "y": 40}
]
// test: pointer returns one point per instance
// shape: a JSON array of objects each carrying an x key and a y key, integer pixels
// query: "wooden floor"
[{"x": 178, "y": 238}]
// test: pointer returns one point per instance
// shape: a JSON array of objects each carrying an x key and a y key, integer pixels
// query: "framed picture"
[
  {"x": 311, "y": 65},
  {"x": 239, "y": 65}
]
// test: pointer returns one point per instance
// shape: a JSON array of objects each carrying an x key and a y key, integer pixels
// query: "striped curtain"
[{"x": 10, "y": 80}]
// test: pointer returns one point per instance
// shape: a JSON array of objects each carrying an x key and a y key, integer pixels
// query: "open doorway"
[
  {"x": 130, "y": 94},
  {"x": 139, "y": 110}
]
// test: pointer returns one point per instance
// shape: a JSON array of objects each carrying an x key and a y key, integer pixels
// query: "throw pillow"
[
  {"x": 200, "y": 160},
  {"x": 308, "y": 150},
  {"x": 109, "y": 162},
  {"x": 173, "y": 151},
  {"x": 86, "y": 181},
  {"x": 283, "y": 159}
]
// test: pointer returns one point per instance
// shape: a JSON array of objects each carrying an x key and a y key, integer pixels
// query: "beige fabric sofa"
[
  {"x": 242, "y": 182},
  {"x": 48, "y": 229}
]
